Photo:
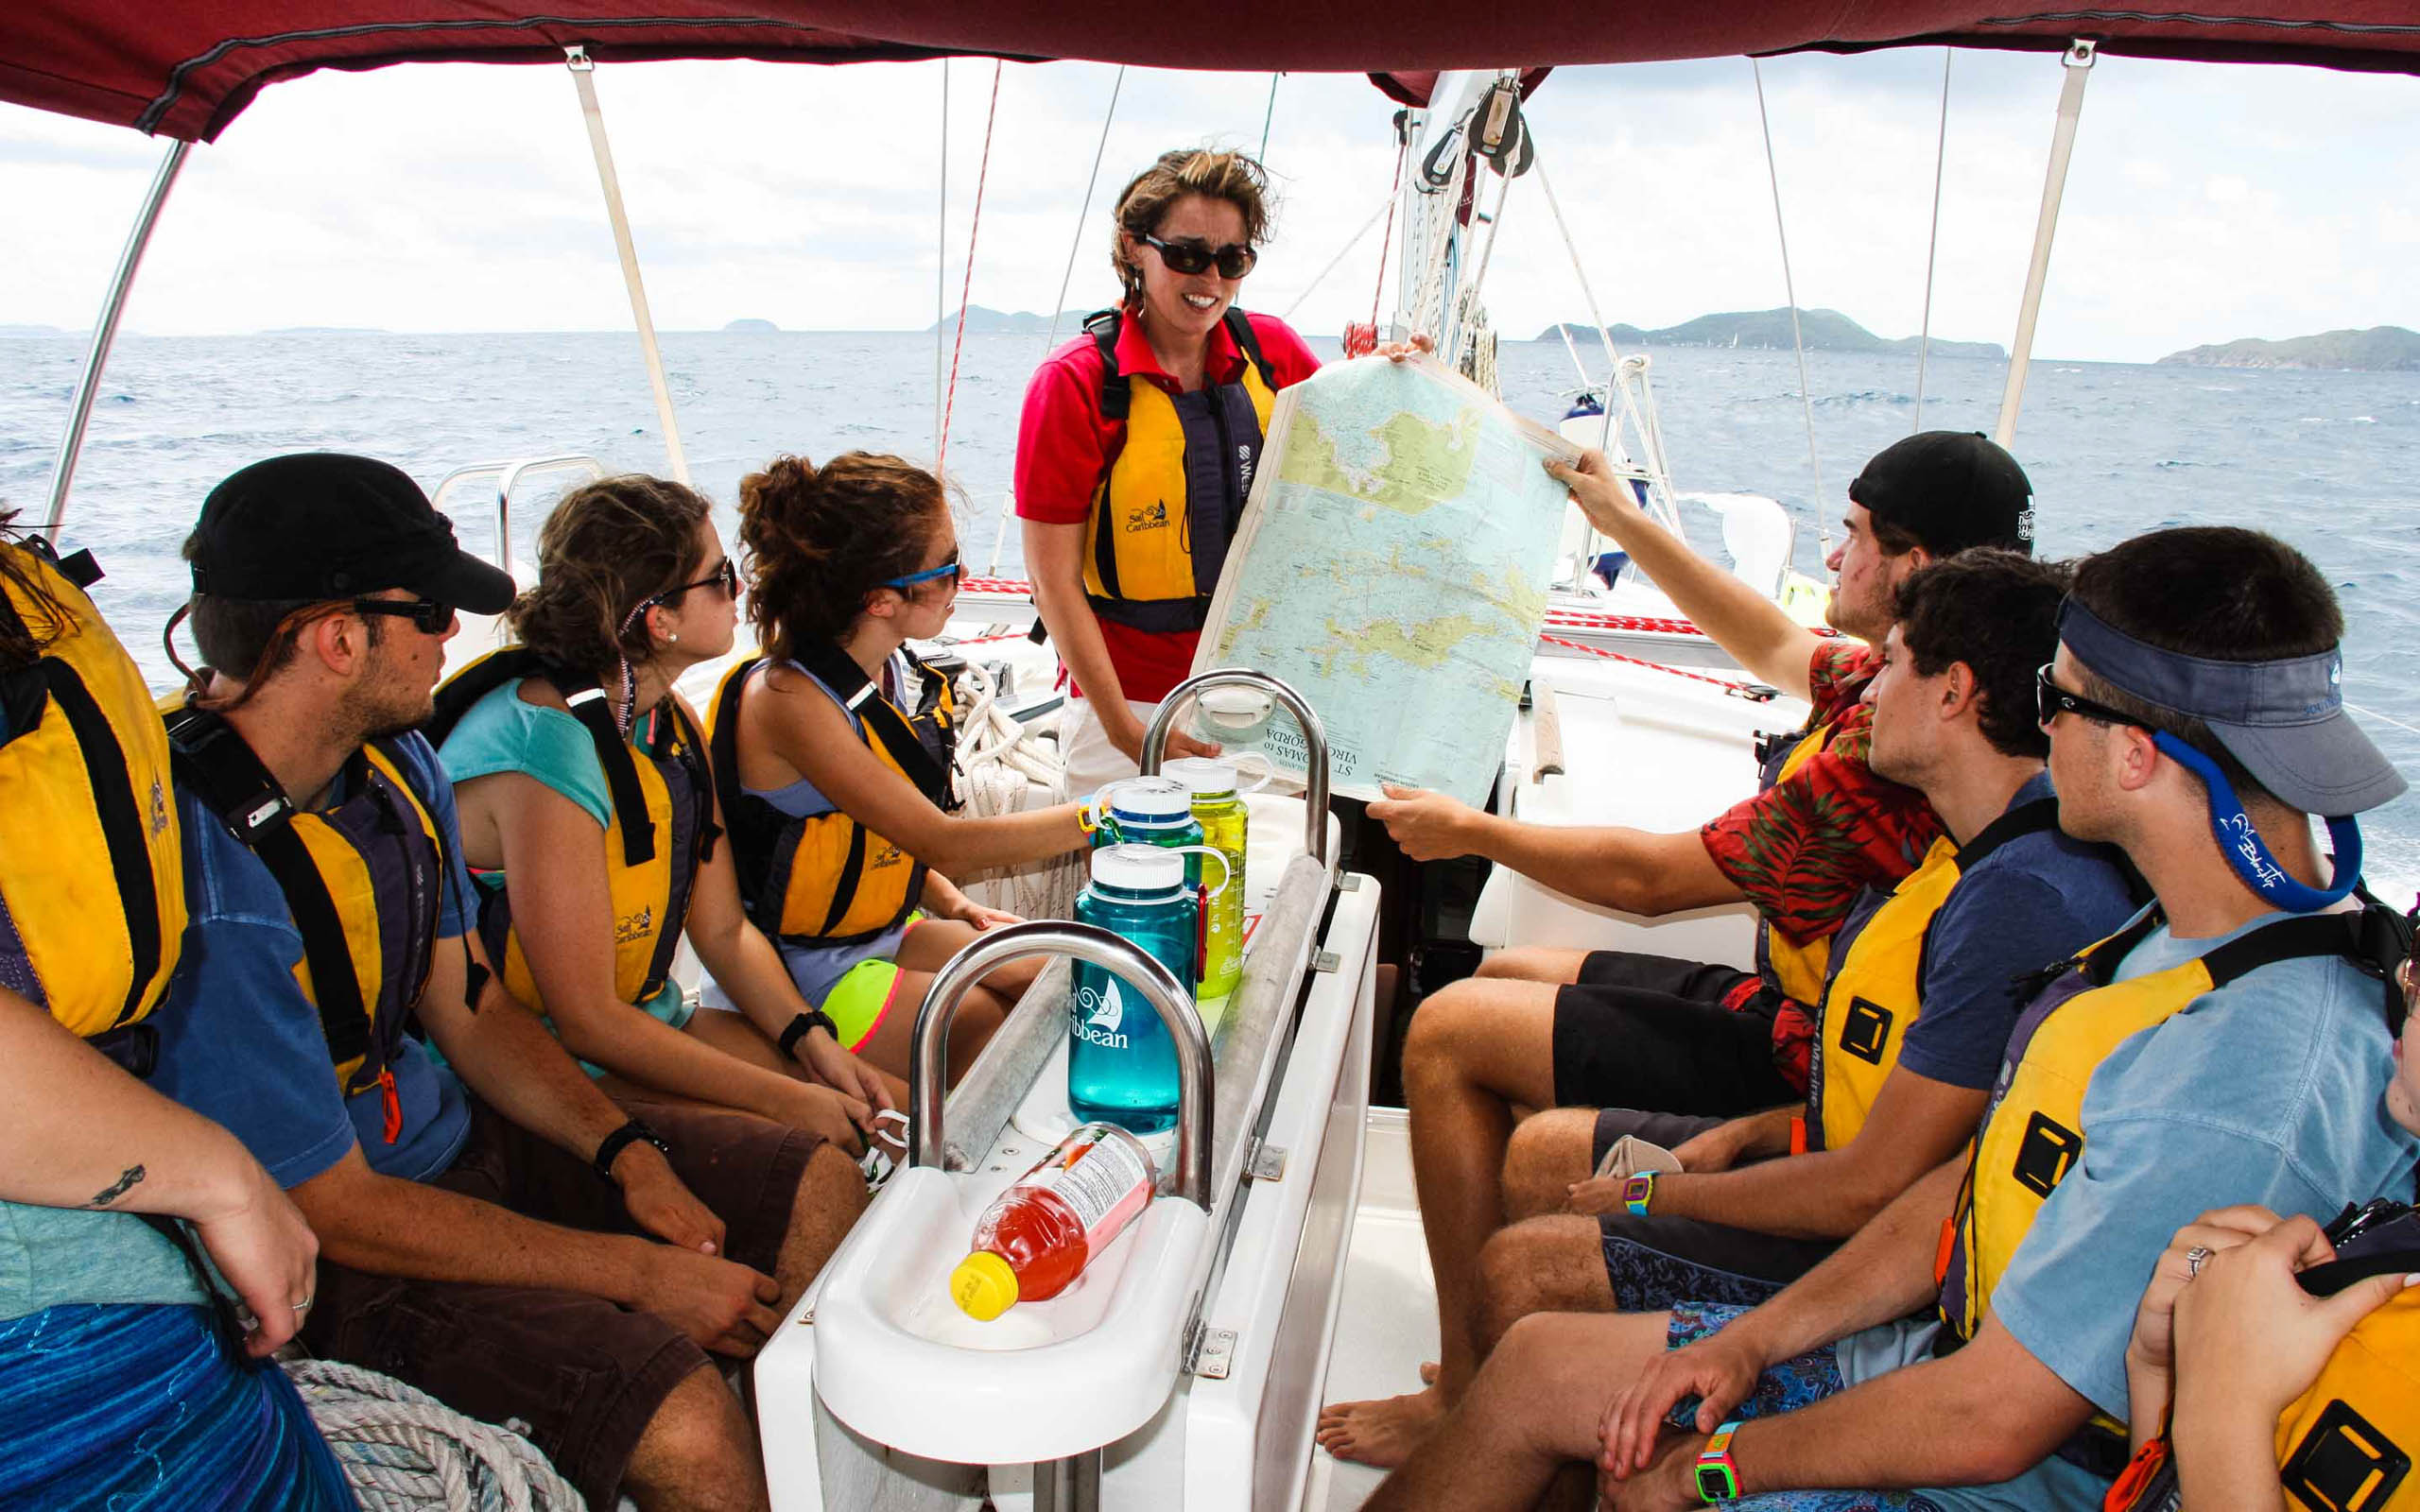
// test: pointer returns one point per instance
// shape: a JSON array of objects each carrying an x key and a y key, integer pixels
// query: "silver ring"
[
  {"x": 304, "y": 1305},
  {"x": 2194, "y": 1259}
]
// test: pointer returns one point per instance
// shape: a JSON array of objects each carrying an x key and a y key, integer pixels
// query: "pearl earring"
[{"x": 674, "y": 637}]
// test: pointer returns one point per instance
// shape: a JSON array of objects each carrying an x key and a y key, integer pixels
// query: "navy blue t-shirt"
[
  {"x": 239, "y": 1043},
  {"x": 2037, "y": 899}
]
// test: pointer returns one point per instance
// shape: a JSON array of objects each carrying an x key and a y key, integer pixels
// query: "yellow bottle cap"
[{"x": 983, "y": 1286}]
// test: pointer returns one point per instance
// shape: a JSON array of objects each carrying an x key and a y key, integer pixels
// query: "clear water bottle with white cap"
[{"x": 1121, "y": 1066}]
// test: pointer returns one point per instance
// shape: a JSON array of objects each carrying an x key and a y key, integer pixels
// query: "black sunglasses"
[
  {"x": 725, "y": 577},
  {"x": 427, "y": 615},
  {"x": 1190, "y": 256},
  {"x": 2050, "y": 702}
]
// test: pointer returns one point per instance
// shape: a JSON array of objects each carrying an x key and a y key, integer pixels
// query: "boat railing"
[
  {"x": 508, "y": 474},
  {"x": 1315, "y": 793}
]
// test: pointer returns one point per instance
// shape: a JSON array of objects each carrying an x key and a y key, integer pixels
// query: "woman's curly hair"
[
  {"x": 606, "y": 549},
  {"x": 820, "y": 540}
]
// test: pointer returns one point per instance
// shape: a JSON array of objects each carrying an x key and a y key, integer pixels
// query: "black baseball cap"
[
  {"x": 1950, "y": 489},
  {"x": 323, "y": 525}
]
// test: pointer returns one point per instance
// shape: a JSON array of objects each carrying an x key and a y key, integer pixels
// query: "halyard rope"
[{"x": 974, "y": 229}]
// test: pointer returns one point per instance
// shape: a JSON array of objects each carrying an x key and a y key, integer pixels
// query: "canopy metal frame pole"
[
  {"x": 2078, "y": 62},
  {"x": 583, "y": 78},
  {"x": 79, "y": 415}
]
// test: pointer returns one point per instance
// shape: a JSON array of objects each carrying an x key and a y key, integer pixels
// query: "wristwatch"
[
  {"x": 622, "y": 1138},
  {"x": 805, "y": 1025},
  {"x": 1717, "y": 1478},
  {"x": 1637, "y": 1191}
]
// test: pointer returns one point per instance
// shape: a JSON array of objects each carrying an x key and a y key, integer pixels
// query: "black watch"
[
  {"x": 805, "y": 1025},
  {"x": 622, "y": 1138}
]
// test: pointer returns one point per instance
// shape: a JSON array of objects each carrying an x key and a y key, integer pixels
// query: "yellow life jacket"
[
  {"x": 83, "y": 776},
  {"x": 826, "y": 879},
  {"x": 1169, "y": 500},
  {"x": 2032, "y": 1135},
  {"x": 364, "y": 879},
  {"x": 1792, "y": 967},
  {"x": 661, "y": 829},
  {"x": 1873, "y": 996}
]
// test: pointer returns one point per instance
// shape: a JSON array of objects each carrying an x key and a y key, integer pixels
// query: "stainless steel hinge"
[
  {"x": 1348, "y": 882},
  {"x": 1265, "y": 1161},
  {"x": 1209, "y": 1353}
]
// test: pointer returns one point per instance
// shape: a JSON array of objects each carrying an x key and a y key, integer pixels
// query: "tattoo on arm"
[{"x": 125, "y": 1183}]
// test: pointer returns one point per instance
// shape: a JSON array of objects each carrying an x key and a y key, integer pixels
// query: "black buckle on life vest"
[
  {"x": 2046, "y": 1153},
  {"x": 2344, "y": 1464},
  {"x": 1865, "y": 1029}
]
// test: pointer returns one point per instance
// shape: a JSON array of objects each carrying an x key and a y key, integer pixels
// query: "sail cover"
[{"x": 187, "y": 68}]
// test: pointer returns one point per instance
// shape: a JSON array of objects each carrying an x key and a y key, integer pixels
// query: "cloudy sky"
[{"x": 2206, "y": 203}]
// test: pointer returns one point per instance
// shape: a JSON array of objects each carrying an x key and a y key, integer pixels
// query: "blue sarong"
[{"x": 127, "y": 1407}]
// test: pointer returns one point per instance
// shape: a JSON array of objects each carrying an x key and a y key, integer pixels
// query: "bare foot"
[{"x": 1384, "y": 1431}]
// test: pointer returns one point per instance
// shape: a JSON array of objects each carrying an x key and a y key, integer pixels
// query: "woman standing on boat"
[
  {"x": 589, "y": 812},
  {"x": 1137, "y": 447},
  {"x": 835, "y": 749}
]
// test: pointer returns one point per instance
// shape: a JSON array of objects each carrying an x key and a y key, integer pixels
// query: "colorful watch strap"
[
  {"x": 1637, "y": 1191},
  {"x": 1718, "y": 1477}
]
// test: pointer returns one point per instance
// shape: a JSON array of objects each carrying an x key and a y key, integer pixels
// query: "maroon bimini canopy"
[{"x": 186, "y": 68}]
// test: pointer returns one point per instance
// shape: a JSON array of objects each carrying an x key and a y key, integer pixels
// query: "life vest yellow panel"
[
  {"x": 1790, "y": 966},
  {"x": 93, "y": 893},
  {"x": 1874, "y": 995},
  {"x": 825, "y": 878},
  {"x": 1168, "y": 503},
  {"x": 2346, "y": 1444}
]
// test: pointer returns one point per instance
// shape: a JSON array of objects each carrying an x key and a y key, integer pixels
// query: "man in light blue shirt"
[{"x": 2229, "y": 1047}]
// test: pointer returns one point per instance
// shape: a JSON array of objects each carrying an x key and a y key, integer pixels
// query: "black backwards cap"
[
  {"x": 1950, "y": 489},
  {"x": 2284, "y": 720},
  {"x": 320, "y": 525}
]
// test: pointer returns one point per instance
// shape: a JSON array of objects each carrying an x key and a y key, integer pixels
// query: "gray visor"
[{"x": 2284, "y": 720}]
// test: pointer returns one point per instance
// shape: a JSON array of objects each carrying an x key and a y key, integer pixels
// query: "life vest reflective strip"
[
  {"x": 1875, "y": 993},
  {"x": 2032, "y": 1135},
  {"x": 1792, "y": 966},
  {"x": 660, "y": 825},
  {"x": 83, "y": 773},
  {"x": 364, "y": 881},
  {"x": 1171, "y": 497},
  {"x": 826, "y": 879}
]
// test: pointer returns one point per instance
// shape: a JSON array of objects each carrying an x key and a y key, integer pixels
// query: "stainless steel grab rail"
[
  {"x": 1197, "y": 1090},
  {"x": 1184, "y": 695},
  {"x": 509, "y": 475}
]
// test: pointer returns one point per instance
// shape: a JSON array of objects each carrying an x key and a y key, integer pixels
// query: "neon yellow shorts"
[{"x": 860, "y": 1000}]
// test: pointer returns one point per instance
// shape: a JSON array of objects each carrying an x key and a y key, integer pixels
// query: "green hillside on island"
[
  {"x": 1769, "y": 330},
  {"x": 2379, "y": 348},
  {"x": 981, "y": 321}
]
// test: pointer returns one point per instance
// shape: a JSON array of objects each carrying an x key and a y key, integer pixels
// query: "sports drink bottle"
[{"x": 1037, "y": 1236}]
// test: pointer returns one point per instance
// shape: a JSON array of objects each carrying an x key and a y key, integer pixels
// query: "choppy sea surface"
[{"x": 2330, "y": 460}]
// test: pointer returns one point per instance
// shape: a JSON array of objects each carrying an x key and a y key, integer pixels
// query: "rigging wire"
[
  {"x": 1797, "y": 339},
  {"x": 1337, "y": 260},
  {"x": 1644, "y": 425},
  {"x": 974, "y": 229},
  {"x": 1394, "y": 201},
  {"x": 1076, "y": 245},
  {"x": 1267, "y": 116},
  {"x": 1933, "y": 244},
  {"x": 941, "y": 267}
]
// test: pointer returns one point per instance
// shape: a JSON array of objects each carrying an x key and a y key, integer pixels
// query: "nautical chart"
[{"x": 1392, "y": 566}]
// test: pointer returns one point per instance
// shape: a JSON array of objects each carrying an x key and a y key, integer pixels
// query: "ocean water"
[{"x": 2329, "y": 460}]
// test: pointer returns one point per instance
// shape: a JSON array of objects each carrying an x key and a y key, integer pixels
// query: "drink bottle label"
[{"x": 1102, "y": 1179}]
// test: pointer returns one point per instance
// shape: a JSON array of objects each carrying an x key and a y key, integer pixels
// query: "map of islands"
[{"x": 1392, "y": 566}]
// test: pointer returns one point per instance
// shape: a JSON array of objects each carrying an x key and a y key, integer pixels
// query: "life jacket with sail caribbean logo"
[
  {"x": 659, "y": 832},
  {"x": 1171, "y": 497},
  {"x": 1795, "y": 968},
  {"x": 92, "y": 893},
  {"x": 824, "y": 878},
  {"x": 364, "y": 879},
  {"x": 2032, "y": 1134},
  {"x": 1878, "y": 957}
]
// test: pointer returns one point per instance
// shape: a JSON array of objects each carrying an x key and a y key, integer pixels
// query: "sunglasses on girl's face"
[
  {"x": 2050, "y": 702},
  {"x": 725, "y": 576},
  {"x": 1193, "y": 256},
  {"x": 427, "y": 615},
  {"x": 953, "y": 570}
]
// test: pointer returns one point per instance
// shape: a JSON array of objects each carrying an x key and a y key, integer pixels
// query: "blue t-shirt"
[
  {"x": 2032, "y": 901},
  {"x": 241, "y": 1044}
]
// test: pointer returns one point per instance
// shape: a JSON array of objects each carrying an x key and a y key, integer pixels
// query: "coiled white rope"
[
  {"x": 1004, "y": 769},
  {"x": 404, "y": 1450}
]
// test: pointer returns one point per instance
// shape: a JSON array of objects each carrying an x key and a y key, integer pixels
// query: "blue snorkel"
[{"x": 2240, "y": 842}]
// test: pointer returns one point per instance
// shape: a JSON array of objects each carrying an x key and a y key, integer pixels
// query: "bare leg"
[
  {"x": 1533, "y": 963},
  {"x": 1532, "y": 1410},
  {"x": 1474, "y": 1049},
  {"x": 1548, "y": 1153},
  {"x": 1550, "y": 1264},
  {"x": 696, "y": 1453},
  {"x": 892, "y": 1047},
  {"x": 830, "y": 1197}
]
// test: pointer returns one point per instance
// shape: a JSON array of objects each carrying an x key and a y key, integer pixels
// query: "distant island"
[
  {"x": 1769, "y": 330},
  {"x": 2379, "y": 348},
  {"x": 754, "y": 327},
  {"x": 32, "y": 331},
  {"x": 985, "y": 322},
  {"x": 327, "y": 331}
]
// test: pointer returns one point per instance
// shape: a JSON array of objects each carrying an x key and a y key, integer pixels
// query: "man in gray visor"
[{"x": 2221, "y": 1060}]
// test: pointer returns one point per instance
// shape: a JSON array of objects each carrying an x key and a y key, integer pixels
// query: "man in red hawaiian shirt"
[{"x": 1542, "y": 1028}]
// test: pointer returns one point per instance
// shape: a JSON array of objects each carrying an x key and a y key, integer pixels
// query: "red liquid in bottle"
[{"x": 1036, "y": 1237}]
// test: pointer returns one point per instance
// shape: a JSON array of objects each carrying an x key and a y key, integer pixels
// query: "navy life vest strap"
[
  {"x": 837, "y": 670},
  {"x": 1117, "y": 389},
  {"x": 588, "y": 704}
]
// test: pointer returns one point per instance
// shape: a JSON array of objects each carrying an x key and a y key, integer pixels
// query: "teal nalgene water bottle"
[
  {"x": 1121, "y": 1066},
  {"x": 1221, "y": 812},
  {"x": 1155, "y": 810}
]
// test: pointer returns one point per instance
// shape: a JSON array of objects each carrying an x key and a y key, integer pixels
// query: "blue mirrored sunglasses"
[{"x": 952, "y": 569}]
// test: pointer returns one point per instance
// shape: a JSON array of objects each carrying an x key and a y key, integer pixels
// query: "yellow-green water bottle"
[{"x": 1220, "y": 810}]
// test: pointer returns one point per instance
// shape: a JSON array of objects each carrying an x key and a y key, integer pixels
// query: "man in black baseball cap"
[
  {"x": 1945, "y": 492},
  {"x": 321, "y": 525}
]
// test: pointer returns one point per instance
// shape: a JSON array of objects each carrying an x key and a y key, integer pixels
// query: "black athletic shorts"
[
  {"x": 1655, "y": 1262},
  {"x": 1663, "y": 1036}
]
